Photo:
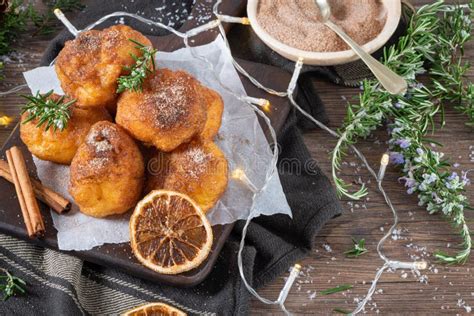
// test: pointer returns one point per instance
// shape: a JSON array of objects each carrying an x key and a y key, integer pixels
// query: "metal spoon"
[{"x": 392, "y": 82}]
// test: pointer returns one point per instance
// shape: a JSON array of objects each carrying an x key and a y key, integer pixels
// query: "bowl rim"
[{"x": 393, "y": 9}]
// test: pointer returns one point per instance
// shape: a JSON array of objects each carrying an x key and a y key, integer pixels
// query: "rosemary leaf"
[
  {"x": 47, "y": 111},
  {"x": 11, "y": 285},
  {"x": 143, "y": 66},
  {"x": 357, "y": 249},
  {"x": 337, "y": 289},
  {"x": 12, "y": 22},
  {"x": 20, "y": 13},
  {"x": 341, "y": 311}
]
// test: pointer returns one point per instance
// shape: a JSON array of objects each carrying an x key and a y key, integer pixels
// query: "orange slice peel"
[
  {"x": 154, "y": 309},
  {"x": 169, "y": 233}
]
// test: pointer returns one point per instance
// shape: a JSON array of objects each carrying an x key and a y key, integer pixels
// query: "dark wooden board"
[{"x": 120, "y": 255}]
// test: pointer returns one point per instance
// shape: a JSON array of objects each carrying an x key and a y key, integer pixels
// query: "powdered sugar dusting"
[
  {"x": 98, "y": 163},
  {"x": 169, "y": 104},
  {"x": 87, "y": 41},
  {"x": 198, "y": 160},
  {"x": 112, "y": 38},
  {"x": 100, "y": 140}
]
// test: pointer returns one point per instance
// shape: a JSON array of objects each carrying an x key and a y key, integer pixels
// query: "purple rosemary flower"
[
  {"x": 453, "y": 176},
  {"x": 436, "y": 198},
  {"x": 409, "y": 182},
  {"x": 417, "y": 85},
  {"x": 465, "y": 179},
  {"x": 398, "y": 105},
  {"x": 430, "y": 178},
  {"x": 397, "y": 130},
  {"x": 403, "y": 143},
  {"x": 396, "y": 158},
  {"x": 422, "y": 186},
  {"x": 449, "y": 185}
]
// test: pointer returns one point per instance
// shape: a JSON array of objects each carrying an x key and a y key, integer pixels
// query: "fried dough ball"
[
  {"x": 89, "y": 66},
  {"x": 60, "y": 146},
  {"x": 107, "y": 173},
  {"x": 214, "y": 108},
  {"x": 167, "y": 113},
  {"x": 198, "y": 169}
]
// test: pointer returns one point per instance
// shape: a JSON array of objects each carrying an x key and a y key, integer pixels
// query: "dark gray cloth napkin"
[{"x": 61, "y": 284}]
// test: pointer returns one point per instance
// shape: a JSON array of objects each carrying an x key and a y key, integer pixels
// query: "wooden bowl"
[{"x": 392, "y": 7}]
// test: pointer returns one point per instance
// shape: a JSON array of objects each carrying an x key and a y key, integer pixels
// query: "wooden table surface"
[{"x": 439, "y": 290}]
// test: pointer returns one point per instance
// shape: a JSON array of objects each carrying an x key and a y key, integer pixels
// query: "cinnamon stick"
[
  {"x": 54, "y": 200},
  {"x": 24, "y": 189},
  {"x": 21, "y": 199}
]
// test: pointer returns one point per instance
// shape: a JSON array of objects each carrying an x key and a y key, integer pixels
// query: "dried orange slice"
[
  {"x": 152, "y": 309},
  {"x": 169, "y": 233}
]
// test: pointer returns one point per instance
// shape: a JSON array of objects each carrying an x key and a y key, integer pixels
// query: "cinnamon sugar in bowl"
[{"x": 293, "y": 28}]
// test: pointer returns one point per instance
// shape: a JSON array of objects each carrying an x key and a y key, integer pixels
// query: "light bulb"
[
  {"x": 238, "y": 174},
  {"x": 267, "y": 106},
  {"x": 385, "y": 159}
]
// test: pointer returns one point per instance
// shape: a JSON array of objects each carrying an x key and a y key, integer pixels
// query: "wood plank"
[{"x": 402, "y": 293}]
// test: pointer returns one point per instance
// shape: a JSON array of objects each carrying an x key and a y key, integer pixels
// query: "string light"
[
  {"x": 257, "y": 106},
  {"x": 239, "y": 174},
  {"x": 233, "y": 19},
  {"x": 71, "y": 28},
  {"x": 267, "y": 107},
  {"x": 389, "y": 264},
  {"x": 263, "y": 103},
  {"x": 383, "y": 165},
  {"x": 294, "y": 273}
]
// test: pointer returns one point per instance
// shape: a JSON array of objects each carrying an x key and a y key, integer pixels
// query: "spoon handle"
[{"x": 392, "y": 82}]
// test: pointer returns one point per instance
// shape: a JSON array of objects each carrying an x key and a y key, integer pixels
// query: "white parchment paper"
[{"x": 240, "y": 137}]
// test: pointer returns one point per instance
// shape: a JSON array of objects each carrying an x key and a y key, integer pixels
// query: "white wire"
[
  {"x": 135, "y": 16},
  {"x": 13, "y": 90}
]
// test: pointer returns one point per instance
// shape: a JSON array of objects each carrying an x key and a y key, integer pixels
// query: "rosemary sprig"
[
  {"x": 358, "y": 249},
  {"x": 12, "y": 22},
  {"x": 19, "y": 15},
  {"x": 11, "y": 285},
  {"x": 437, "y": 34},
  {"x": 374, "y": 105},
  {"x": 53, "y": 113},
  {"x": 449, "y": 72},
  {"x": 337, "y": 289},
  {"x": 144, "y": 66},
  {"x": 426, "y": 174}
]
